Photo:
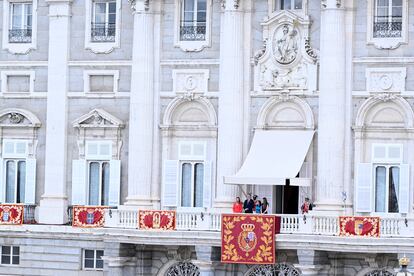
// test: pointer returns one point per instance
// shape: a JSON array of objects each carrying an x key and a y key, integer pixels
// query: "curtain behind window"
[
  {"x": 380, "y": 189},
  {"x": 198, "y": 182},
  {"x": 393, "y": 190}
]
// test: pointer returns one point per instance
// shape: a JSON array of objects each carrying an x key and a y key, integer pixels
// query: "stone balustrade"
[{"x": 313, "y": 224}]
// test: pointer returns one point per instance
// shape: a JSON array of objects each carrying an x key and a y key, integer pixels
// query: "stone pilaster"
[
  {"x": 331, "y": 123},
  {"x": 141, "y": 119},
  {"x": 53, "y": 204},
  {"x": 231, "y": 101}
]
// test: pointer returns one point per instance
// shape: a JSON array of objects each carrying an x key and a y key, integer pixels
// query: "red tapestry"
[
  {"x": 88, "y": 216},
  {"x": 359, "y": 226},
  {"x": 11, "y": 214},
  {"x": 151, "y": 219},
  {"x": 248, "y": 239}
]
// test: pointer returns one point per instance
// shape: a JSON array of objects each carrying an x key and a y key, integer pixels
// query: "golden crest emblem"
[
  {"x": 247, "y": 238},
  {"x": 359, "y": 224}
]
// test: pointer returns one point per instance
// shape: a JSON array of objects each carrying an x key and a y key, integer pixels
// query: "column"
[
  {"x": 331, "y": 123},
  {"x": 231, "y": 102},
  {"x": 141, "y": 119},
  {"x": 53, "y": 204}
]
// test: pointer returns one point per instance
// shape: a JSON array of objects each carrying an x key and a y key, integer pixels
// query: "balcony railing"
[
  {"x": 103, "y": 32},
  {"x": 310, "y": 224},
  {"x": 193, "y": 31},
  {"x": 29, "y": 214},
  {"x": 20, "y": 35},
  {"x": 387, "y": 27}
]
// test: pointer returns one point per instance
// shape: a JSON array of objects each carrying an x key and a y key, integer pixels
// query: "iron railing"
[
  {"x": 193, "y": 31},
  {"x": 103, "y": 32},
  {"x": 386, "y": 27},
  {"x": 20, "y": 35}
]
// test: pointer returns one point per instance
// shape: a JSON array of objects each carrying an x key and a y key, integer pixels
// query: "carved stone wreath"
[
  {"x": 273, "y": 270},
  {"x": 184, "y": 268},
  {"x": 379, "y": 272}
]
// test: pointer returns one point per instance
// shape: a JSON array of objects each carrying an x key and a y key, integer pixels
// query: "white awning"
[{"x": 274, "y": 156}]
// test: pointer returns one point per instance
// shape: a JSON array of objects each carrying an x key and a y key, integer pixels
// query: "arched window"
[
  {"x": 184, "y": 268},
  {"x": 273, "y": 270},
  {"x": 379, "y": 272}
]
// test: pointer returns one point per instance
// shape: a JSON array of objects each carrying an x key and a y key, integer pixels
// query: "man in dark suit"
[{"x": 248, "y": 204}]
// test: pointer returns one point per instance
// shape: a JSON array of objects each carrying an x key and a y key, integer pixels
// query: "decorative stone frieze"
[{"x": 386, "y": 79}]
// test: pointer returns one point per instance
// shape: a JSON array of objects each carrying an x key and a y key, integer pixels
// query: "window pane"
[
  {"x": 186, "y": 185},
  {"x": 89, "y": 263},
  {"x": 28, "y": 15},
  {"x": 105, "y": 184},
  {"x": 380, "y": 189},
  {"x": 10, "y": 178},
  {"x": 285, "y": 4},
  {"x": 21, "y": 181},
  {"x": 188, "y": 11},
  {"x": 298, "y": 4},
  {"x": 396, "y": 3},
  {"x": 100, "y": 11},
  {"x": 112, "y": 7},
  {"x": 15, "y": 260},
  {"x": 5, "y": 259},
  {"x": 17, "y": 13},
  {"x": 99, "y": 264},
  {"x": 393, "y": 189},
  {"x": 16, "y": 250},
  {"x": 199, "y": 181},
  {"x": 89, "y": 254},
  {"x": 99, "y": 254},
  {"x": 5, "y": 250},
  {"x": 94, "y": 183}
]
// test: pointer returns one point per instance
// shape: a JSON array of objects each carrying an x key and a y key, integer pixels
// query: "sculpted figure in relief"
[{"x": 285, "y": 46}]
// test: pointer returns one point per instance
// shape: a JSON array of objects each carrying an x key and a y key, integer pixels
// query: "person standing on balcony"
[
  {"x": 265, "y": 206},
  {"x": 248, "y": 204},
  {"x": 258, "y": 207},
  {"x": 306, "y": 206},
  {"x": 237, "y": 206}
]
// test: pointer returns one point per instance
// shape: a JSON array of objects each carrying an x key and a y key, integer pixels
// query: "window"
[
  {"x": 193, "y": 20},
  {"x": 192, "y": 181},
  {"x": 388, "y": 18},
  {"x": 288, "y": 4},
  {"x": 92, "y": 259},
  {"x": 10, "y": 255},
  {"x": 103, "y": 26},
  {"x": 15, "y": 171},
  {"x": 387, "y": 182},
  {"x": 98, "y": 172},
  {"x": 17, "y": 81},
  {"x": 20, "y": 23}
]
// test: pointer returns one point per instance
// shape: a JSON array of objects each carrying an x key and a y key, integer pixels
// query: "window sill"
[
  {"x": 103, "y": 47},
  {"x": 193, "y": 46},
  {"x": 19, "y": 48},
  {"x": 388, "y": 43}
]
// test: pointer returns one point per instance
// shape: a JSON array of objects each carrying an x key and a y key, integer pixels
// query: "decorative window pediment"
[
  {"x": 98, "y": 118},
  {"x": 286, "y": 62},
  {"x": 18, "y": 118}
]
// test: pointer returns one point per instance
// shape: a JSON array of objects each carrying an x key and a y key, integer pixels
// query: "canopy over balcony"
[{"x": 274, "y": 156}]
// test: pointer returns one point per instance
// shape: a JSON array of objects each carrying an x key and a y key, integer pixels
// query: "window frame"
[
  {"x": 106, "y": 21},
  {"x": 15, "y": 47},
  {"x": 192, "y": 45},
  {"x": 94, "y": 259},
  {"x": 193, "y": 182},
  {"x": 11, "y": 255},
  {"x": 16, "y": 183},
  {"x": 100, "y": 193},
  {"x": 278, "y": 5},
  {"x": 386, "y": 42},
  {"x": 387, "y": 166},
  {"x": 4, "y": 75},
  {"x": 101, "y": 47}
]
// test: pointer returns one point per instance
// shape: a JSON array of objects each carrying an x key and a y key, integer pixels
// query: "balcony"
[
  {"x": 387, "y": 27},
  {"x": 103, "y": 32},
  {"x": 20, "y": 35},
  {"x": 193, "y": 31}
]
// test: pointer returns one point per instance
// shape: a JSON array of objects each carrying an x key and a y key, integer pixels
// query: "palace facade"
[{"x": 184, "y": 105}]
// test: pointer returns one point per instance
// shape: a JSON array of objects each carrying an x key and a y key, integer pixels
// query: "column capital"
[
  {"x": 139, "y": 6},
  {"x": 331, "y": 4},
  {"x": 230, "y": 5}
]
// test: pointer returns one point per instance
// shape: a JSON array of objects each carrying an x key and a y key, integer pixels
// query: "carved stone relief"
[
  {"x": 286, "y": 62},
  {"x": 381, "y": 80},
  {"x": 187, "y": 81}
]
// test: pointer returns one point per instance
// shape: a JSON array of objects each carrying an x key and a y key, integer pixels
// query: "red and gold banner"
[
  {"x": 11, "y": 214},
  {"x": 160, "y": 220},
  {"x": 248, "y": 239},
  {"x": 88, "y": 216},
  {"x": 359, "y": 226}
]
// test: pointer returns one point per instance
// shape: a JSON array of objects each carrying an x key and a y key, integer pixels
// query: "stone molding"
[{"x": 386, "y": 79}]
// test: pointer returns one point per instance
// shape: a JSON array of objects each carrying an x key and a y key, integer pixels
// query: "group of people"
[{"x": 251, "y": 205}]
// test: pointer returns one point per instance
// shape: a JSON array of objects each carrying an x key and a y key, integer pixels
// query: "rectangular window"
[
  {"x": 15, "y": 172},
  {"x": 388, "y": 18},
  {"x": 288, "y": 4},
  {"x": 98, "y": 183},
  {"x": 103, "y": 26},
  {"x": 20, "y": 23},
  {"x": 92, "y": 259},
  {"x": 101, "y": 83},
  {"x": 10, "y": 255},
  {"x": 387, "y": 184},
  {"x": 193, "y": 23},
  {"x": 192, "y": 181}
]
